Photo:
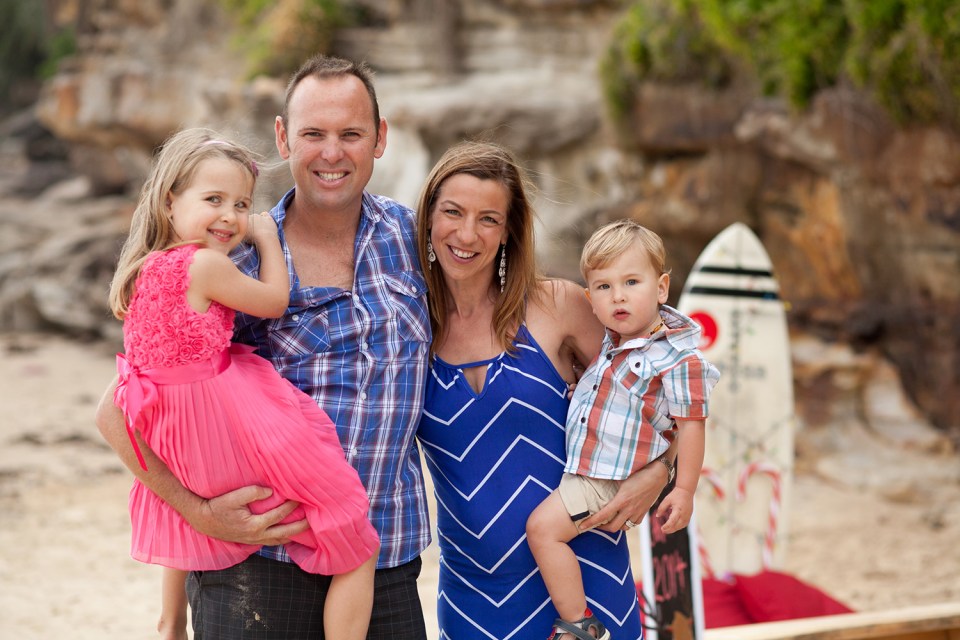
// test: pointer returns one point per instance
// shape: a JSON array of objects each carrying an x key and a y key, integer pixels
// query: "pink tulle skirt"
[{"x": 233, "y": 422}]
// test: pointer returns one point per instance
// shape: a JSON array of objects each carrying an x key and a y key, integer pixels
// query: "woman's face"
[{"x": 468, "y": 225}]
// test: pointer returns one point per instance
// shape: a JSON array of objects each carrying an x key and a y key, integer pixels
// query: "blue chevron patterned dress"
[{"x": 494, "y": 456}]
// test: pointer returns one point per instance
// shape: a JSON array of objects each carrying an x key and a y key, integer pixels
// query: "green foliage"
[
  {"x": 27, "y": 50},
  {"x": 662, "y": 40},
  {"x": 906, "y": 53},
  {"x": 278, "y": 36}
]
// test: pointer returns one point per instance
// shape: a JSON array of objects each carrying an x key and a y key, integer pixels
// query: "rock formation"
[{"x": 861, "y": 218}]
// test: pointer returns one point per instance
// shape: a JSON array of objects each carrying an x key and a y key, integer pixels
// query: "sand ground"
[{"x": 65, "y": 570}]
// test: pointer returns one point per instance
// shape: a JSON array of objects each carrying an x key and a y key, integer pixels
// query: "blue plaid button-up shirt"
[{"x": 362, "y": 355}]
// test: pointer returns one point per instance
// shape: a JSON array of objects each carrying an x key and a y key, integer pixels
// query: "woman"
[{"x": 506, "y": 343}]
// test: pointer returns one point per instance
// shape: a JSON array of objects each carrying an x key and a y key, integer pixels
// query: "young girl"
[{"x": 219, "y": 416}]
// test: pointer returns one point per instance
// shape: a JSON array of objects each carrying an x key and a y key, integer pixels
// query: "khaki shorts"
[{"x": 583, "y": 496}]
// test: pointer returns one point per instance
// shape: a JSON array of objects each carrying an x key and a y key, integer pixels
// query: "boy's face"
[{"x": 626, "y": 293}]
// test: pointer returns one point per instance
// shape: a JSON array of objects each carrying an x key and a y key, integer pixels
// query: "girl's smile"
[{"x": 215, "y": 205}]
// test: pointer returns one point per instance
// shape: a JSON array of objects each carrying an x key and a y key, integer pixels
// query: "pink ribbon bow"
[{"x": 133, "y": 394}]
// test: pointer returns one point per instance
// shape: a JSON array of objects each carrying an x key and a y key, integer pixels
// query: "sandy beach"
[{"x": 65, "y": 571}]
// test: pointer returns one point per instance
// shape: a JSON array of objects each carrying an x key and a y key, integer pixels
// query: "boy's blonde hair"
[
  {"x": 612, "y": 239},
  {"x": 151, "y": 229}
]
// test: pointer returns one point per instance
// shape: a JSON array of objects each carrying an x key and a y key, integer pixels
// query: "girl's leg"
[
  {"x": 346, "y": 612},
  {"x": 173, "y": 611},
  {"x": 549, "y": 529}
]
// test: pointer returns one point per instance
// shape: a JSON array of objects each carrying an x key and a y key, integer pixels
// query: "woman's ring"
[{"x": 630, "y": 524}]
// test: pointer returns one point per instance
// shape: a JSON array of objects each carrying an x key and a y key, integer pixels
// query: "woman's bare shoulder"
[
  {"x": 557, "y": 294},
  {"x": 562, "y": 305}
]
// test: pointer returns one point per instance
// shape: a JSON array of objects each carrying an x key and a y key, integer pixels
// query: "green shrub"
[
  {"x": 277, "y": 36},
  {"x": 662, "y": 40},
  {"x": 28, "y": 48},
  {"x": 906, "y": 53}
]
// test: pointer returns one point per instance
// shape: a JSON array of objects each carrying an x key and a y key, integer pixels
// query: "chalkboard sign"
[{"x": 672, "y": 595}]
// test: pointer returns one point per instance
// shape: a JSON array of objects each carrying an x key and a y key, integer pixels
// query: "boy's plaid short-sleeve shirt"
[{"x": 626, "y": 407}]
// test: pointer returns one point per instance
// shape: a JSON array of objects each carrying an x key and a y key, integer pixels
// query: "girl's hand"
[{"x": 261, "y": 226}]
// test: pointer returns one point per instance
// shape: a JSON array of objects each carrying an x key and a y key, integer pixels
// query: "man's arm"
[{"x": 226, "y": 517}]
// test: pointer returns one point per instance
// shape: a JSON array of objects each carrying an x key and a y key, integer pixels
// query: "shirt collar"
[
  {"x": 680, "y": 331},
  {"x": 370, "y": 209}
]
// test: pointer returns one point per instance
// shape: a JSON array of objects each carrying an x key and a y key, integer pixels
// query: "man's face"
[{"x": 331, "y": 141}]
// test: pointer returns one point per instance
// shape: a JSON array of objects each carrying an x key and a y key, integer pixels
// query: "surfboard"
[
  {"x": 744, "y": 490},
  {"x": 670, "y": 589}
]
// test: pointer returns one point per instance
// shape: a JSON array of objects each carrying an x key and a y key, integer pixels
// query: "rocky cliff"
[{"x": 862, "y": 218}]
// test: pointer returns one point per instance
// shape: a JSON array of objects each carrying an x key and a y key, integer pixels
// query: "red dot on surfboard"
[{"x": 708, "y": 328}]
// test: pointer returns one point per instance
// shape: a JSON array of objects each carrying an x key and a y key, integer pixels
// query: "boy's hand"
[{"x": 676, "y": 510}]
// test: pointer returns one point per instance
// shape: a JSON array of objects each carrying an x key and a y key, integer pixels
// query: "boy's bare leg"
[{"x": 549, "y": 529}]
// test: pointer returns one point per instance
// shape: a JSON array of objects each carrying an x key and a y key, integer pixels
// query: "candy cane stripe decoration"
[
  {"x": 714, "y": 481},
  {"x": 774, "y": 474}
]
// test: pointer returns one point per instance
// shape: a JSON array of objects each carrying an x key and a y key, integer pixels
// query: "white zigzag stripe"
[
  {"x": 517, "y": 441},
  {"x": 479, "y": 534},
  {"x": 446, "y": 387},
  {"x": 480, "y": 628},
  {"x": 553, "y": 389},
  {"x": 496, "y": 565},
  {"x": 621, "y": 580},
  {"x": 480, "y": 434},
  {"x": 486, "y": 597},
  {"x": 594, "y": 605}
]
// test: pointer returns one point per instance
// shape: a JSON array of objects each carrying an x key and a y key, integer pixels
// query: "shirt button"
[
  {"x": 295, "y": 317},
  {"x": 363, "y": 345},
  {"x": 609, "y": 356},
  {"x": 354, "y": 451},
  {"x": 363, "y": 395},
  {"x": 595, "y": 387},
  {"x": 583, "y": 420}
]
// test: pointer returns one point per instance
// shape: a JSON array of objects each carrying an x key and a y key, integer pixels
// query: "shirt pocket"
[
  {"x": 298, "y": 333},
  {"x": 408, "y": 305},
  {"x": 639, "y": 368}
]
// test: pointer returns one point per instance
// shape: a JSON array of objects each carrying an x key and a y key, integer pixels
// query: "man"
[{"x": 355, "y": 337}]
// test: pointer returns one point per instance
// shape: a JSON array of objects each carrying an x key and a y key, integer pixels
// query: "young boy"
[{"x": 649, "y": 385}]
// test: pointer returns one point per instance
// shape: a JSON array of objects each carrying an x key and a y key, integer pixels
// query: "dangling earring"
[
  {"x": 503, "y": 266},
  {"x": 431, "y": 256}
]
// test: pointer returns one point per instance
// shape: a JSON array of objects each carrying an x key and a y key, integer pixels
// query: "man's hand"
[
  {"x": 634, "y": 498},
  {"x": 228, "y": 517}
]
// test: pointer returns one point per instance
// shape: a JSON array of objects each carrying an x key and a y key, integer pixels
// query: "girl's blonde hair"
[
  {"x": 151, "y": 229},
  {"x": 612, "y": 239},
  {"x": 486, "y": 161}
]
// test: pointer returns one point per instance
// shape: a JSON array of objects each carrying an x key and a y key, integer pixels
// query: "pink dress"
[{"x": 221, "y": 418}]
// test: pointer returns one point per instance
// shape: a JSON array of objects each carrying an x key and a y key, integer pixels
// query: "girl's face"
[
  {"x": 626, "y": 293},
  {"x": 468, "y": 225},
  {"x": 214, "y": 207}
]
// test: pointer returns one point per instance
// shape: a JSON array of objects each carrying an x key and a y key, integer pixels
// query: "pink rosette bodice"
[{"x": 161, "y": 328}]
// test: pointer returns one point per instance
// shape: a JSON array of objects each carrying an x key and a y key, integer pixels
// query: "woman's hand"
[{"x": 633, "y": 500}]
